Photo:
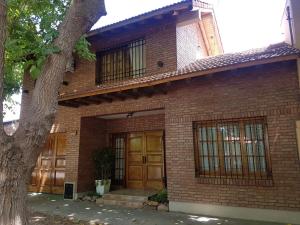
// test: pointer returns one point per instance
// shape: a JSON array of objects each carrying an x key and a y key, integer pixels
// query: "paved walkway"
[{"x": 90, "y": 212}]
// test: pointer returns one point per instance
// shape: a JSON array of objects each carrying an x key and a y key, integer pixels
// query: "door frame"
[
  {"x": 163, "y": 155},
  {"x": 126, "y": 135}
]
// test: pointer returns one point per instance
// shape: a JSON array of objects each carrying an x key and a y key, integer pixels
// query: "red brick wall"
[
  {"x": 145, "y": 123},
  {"x": 190, "y": 44},
  {"x": 270, "y": 91},
  {"x": 92, "y": 138},
  {"x": 160, "y": 37}
]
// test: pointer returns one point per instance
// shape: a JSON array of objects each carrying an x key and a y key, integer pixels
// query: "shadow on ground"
[{"x": 92, "y": 213}]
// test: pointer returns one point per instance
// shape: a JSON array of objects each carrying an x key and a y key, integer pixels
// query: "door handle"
[{"x": 144, "y": 159}]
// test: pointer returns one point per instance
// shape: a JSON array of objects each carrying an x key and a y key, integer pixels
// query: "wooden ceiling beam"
[
  {"x": 93, "y": 100},
  {"x": 69, "y": 104},
  {"x": 134, "y": 93},
  {"x": 104, "y": 97},
  {"x": 117, "y": 96},
  {"x": 149, "y": 92},
  {"x": 82, "y": 101},
  {"x": 160, "y": 89}
]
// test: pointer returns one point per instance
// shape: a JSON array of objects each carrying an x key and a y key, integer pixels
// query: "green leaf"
[
  {"x": 32, "y": 28},
  {"x": 40, "y": 62},
  {"x": 35, "y": 72}
]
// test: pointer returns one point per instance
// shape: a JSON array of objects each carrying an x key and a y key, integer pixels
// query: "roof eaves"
[
  {"x": 166, "y": 9},
  {"x": 279, "y": 52},
  {"x": 178, "y": 75}
]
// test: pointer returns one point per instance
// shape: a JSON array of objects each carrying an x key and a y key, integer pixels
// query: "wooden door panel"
[
  {"x": 49, "y": 173},
  {"x": 46, "y": 163},
  {"x": 60, "y": 163},
  {"x": 136, "y": 144},
  {"x": 61, "y": 142},
  {"x": 49, "y": 146},
  {"x": 59, "y": 178},
  {"x": 154, "y": 173},
  {"x": 135, "y": 160},
  {"x": 154, "y": 159},
  {"x": 135, "y": 173},
  {"x": 154, "y": 142},
  {"x": 145, "y": 160},
  {"x": 134, "y": 184},
  {"x": 45, "y": 179},
  {"x": 34, "y": 178}
]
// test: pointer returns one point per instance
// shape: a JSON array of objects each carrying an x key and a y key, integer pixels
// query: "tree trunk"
[
  {"x": 12, "y": 186},
  {"x": 3, "y": 23},
  {"x": 18, "y": 154}
]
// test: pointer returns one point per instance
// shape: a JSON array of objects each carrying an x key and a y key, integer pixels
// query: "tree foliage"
[{"x": 32, "y": 27}]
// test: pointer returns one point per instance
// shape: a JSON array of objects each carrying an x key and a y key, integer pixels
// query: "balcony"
[{"x": 122, "y": 63}]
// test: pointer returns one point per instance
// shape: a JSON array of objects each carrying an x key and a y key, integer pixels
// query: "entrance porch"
[
  {"x": 130, "y": 198},
  {"x": 138, "y": 141}
]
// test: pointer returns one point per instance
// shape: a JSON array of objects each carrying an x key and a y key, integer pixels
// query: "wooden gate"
[{"x": 49, "y": 173}]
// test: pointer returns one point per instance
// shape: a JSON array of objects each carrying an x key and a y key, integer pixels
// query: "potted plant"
[{"x": 104, "y": 162}]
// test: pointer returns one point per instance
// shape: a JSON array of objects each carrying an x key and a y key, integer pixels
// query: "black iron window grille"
[
  {"x": 122, "y": 63},
  {"x": 119, "y": 146},
  {"x": 232, "y": 149}
]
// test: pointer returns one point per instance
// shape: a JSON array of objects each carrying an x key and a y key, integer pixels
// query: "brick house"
[{"x": 217, "y": 130}]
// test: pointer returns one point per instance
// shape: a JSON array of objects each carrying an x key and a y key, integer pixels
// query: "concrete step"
[
  {"x": 120, "y": 197},
  {"x": 124, "y": 203},
  {"x": 126, "y": 198}
]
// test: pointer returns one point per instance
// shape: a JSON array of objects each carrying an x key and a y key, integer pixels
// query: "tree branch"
[
  {"x": 80, "y": 17},
  {"x": 3, "y": 28}
]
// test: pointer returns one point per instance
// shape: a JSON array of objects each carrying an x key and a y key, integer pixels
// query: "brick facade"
[
  {"x": 161, "y": 35},
  {"x": 270, "y": 90},
  {"x": 190, "y": 44},
  {"x": 95, "y": 134}
]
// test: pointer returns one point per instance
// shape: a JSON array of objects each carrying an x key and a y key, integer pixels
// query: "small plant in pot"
[{"x": 104, "y": 162}]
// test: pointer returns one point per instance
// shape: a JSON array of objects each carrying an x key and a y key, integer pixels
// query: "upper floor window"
[
  {"x": 232, "y": 149},
  {"x": 125, "y": 62}
]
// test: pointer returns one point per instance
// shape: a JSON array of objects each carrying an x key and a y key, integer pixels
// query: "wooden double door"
[
  {"x": 49, "y": 173},
  {"x": 145, "y": 160}
]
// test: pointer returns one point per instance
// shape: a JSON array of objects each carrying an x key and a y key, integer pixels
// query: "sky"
[{"x": 243, "y": 24}]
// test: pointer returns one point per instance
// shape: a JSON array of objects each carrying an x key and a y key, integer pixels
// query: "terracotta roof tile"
[
  {"x": 272, "y": 51},
  {"x": 206, "y": 65},
  {"x": 213, "y": 62}
]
